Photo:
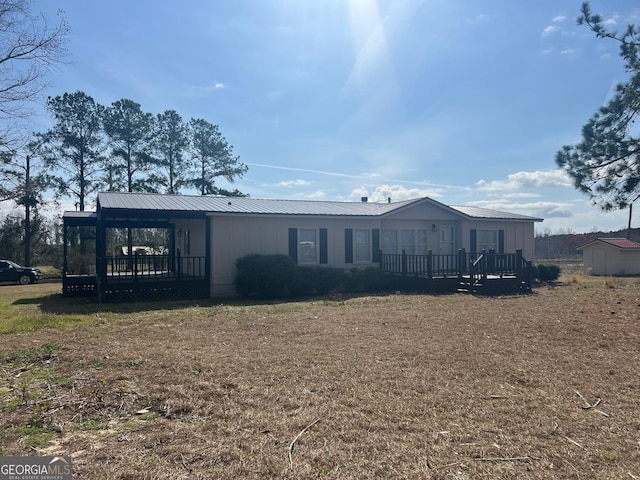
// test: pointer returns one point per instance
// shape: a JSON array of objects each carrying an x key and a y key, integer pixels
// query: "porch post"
[
  {"x": 460, "y": 266},
  {"x": 429, "y": 264},
  {"x": 64, "y": 256},
  {"x": 484, "y": 263},
  {"x": 207, "y": 265},
  {"x": 178, "y": 264},
  {"x": 101, "y": 248},
  {"x": 404, "y": 263}
]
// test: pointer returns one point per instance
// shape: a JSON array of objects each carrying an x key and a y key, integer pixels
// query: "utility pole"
[{"x": 27, "y": 212}]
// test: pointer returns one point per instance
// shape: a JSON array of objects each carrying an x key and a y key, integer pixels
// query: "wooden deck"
[{"x": 483, "y": 272}]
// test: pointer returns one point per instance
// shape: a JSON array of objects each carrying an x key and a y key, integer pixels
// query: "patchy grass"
[
  {"x": 28, "y": 308},
  {"x": 403, "y": 386}
]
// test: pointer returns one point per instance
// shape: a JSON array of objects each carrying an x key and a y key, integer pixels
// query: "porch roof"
[{"x": 75, "y": 219}]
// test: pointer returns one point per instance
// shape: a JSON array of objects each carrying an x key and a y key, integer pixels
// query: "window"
[
  {"x": 487, "y": 240},
  {"x": 307, "y": 246},
  {"x": 411, "y": 241},
  {"x": 362, "y": 246},
  {"x": 389, "y": 241}
]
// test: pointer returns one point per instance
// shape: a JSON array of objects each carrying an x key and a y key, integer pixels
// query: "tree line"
[{"x": 119, "y": 147}]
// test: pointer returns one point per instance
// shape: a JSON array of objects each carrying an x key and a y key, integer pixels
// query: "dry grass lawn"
[{"x": 545, "y": 385}]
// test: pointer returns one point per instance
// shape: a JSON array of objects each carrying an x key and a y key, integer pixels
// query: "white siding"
[
  {"x": 234, "y": 236},
  {"x": 603, "y": 259}
]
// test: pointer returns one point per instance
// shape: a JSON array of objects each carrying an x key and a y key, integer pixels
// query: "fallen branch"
[
  {"x": 592, "y": 405},
  {"x": 293, "y": 442},
  {"x": 506, "y": 459},
  {"x": 438, "y": 467},
  {"x": 587, "y": 404},
  {"x": 575, "y": 443}
]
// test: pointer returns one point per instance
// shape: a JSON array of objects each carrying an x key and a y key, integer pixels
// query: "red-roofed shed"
[{"x": 611, "y": 256}]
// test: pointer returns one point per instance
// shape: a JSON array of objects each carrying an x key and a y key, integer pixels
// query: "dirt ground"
[{"x": 545, "y": 385}]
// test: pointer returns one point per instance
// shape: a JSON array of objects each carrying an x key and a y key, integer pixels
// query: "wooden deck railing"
[
  {"x": 153, "y": 267},
  {"x": 477, "y": 265}
]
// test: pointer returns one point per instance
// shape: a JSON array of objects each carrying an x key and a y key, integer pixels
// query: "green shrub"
[
  {"x": 275, "y": 276},
  {"x": 302, "y": 281},
  {"x": 546, "y": 273},
  {"x": 309, "y": 280},
  {"x": 263, "y": 276},
  {"x": 370, "y": 279}
]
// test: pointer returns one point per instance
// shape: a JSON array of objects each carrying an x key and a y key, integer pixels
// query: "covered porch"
[{"x": 136, "y": 255}]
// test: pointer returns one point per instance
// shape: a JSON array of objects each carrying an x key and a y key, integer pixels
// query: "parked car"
[{"x": 12, "y": 272}]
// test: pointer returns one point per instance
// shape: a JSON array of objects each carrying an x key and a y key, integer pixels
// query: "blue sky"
[{"x": 466, "y": 101}]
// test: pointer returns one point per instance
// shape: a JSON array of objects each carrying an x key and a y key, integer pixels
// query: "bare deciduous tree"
[{"x": 30, "y": 46}]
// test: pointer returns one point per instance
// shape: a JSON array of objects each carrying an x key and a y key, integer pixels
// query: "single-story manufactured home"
[
  {"x": 611, "y": 256},
  {"x": 201, "y": 237}
]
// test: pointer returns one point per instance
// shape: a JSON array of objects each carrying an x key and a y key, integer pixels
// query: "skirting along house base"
[{"x": 153, "y": 245}]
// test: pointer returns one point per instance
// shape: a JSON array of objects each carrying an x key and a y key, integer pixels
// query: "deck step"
[{"x": 469, "y": 287}]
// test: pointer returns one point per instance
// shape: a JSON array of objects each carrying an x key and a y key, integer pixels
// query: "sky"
[{"x": 465, "y": 102}]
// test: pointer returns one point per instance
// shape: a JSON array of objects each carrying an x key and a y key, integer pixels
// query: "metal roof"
[
  {"x": 248, "y": 205},
  {"x": 241, "y": 205},
  {"x": 72, "y": 214},
  {"x": 622, "y": 243},
  {"x": 478, "y": 212}
]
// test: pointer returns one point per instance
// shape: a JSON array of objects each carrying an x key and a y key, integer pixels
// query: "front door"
[{"x": 447, "y": 244}]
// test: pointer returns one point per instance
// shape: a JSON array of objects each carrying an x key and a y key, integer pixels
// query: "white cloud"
[
  {"x": 528, "y": 206},
  {"x": 519, "y": 180},
  {"x": 541, "y": 209},
  {"x": 292, "y": 183},
  {"x": 198, "y": 90},
  {"x": 397, "y": 193},
  {"x": 550, "y": 30},
  {"x": 317, "y": 195},
  {"x": 515, "y": 195},
  {"x": 557, "y": 211},
  {"x": 568, "y": 51},
  {"x": 559, "y": 18}
]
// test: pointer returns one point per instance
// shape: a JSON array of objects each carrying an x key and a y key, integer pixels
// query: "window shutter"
[
  {"x": 348, "y": 245},
  {"x": 500, "y": 241},
  {"x": 375, "y": 245},
  {"x": 473, "y": 243},
  {"x": 293, "y": 243},
  {"x": 324, "y": 256}
]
